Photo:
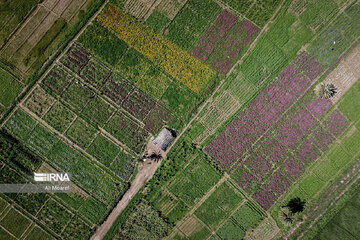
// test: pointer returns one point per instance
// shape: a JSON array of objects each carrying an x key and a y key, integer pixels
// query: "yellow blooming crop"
[{"x": 164, "y": 53}]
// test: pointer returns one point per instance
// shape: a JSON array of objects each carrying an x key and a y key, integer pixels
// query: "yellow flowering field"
[{"x": 171, "y": 58}]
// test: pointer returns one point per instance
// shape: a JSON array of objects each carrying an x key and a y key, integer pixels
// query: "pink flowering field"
[{"x": 269, "y": 144}]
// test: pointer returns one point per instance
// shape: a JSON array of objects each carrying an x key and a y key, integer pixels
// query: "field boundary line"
[
  {"x": 241, "y": 15},
  {"x": 221, "y": 84},
  {"x": 74, "y": 146},
  {"x": 8, "y": 231},
  {"x": 56, "y": 61},
  {"x": 334, "y": 201},
  {"x": 18, "y": 26},
  {"x": 252, "y": 45},
  {"x": 202, "y": 200},
  {"x": 27, "y": 231},
  {"x": 231, "y": 214}
]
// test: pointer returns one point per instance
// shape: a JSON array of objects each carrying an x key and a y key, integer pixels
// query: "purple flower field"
[
  {"x": 336, "y": 123},
  {"x": 234, "y": 45},
  {"x": 265, "y": 148},
  {"x": 226, "y": 40},
  {"x": 217, "y": 31}
]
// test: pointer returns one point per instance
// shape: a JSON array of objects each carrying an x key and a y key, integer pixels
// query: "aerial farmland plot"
[{"x": 179, "y": 119}]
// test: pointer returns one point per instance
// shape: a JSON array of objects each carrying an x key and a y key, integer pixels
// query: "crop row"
[
  {"x": 57, "y": 215},
  {"x": 225, "y": 41},
  {"x": 127, "y": 131},
  {"x": 294, "y": 143},
  {"x": 172, "y": 59},
  {"x": 264, "y": 111},
  {"x": 244, "y": 219},
  {"x": 119, "y": 90},
  {"x": 76, "y": 58},
  {"x": 258, "y": 11},
  {"x": 194, "y": 181},
  {"x": 191, "y": 21},
  {"x": 292, "y": 156},
  {"x": 47, "y": 145}
]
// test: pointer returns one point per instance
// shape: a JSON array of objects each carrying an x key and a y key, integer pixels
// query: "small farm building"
[{"x": 165, "y": 138}]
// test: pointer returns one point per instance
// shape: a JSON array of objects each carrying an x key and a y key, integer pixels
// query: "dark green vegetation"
[
  {"x": 9, "y": 89},
  {"x": 45, "y": 41},
  {"x": 59, "y": 117},
  {"x": 12, "y": 13},
  {"x": 21, "y": 222},
  {"x": 345, "y": 225},
  {"x": 20, "y": 164},
  {"x": 37, "y": 234},
  {"x": 157, "y": 21},
  {"x": 144, "y": 223},
  {"x": 191, "y": 22},
  {"x": 103, "y": 43},
  {"x": 81, "y": 133},
  {"x": 296, "y": 205},
  {"x": 13, "y": 153},
  {"x": 103, "y": 150},
  {"x": 218, "y": 206}
]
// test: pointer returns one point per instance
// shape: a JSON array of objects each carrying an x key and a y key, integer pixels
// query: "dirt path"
[{"x": 144, "y": 174}]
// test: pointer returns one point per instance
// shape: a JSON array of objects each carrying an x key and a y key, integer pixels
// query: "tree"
[
  {"x": 296, "y": 205},
  {"x": 326, "y": 90},
  {"x": 156, "y": 156},
  {"x": 286, "y": 216}
]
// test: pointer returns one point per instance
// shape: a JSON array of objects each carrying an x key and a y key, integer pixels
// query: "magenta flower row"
[{"x": 226, "y": 39}]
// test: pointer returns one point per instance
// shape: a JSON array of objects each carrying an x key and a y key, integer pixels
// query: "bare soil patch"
[
  {"x": 266, "y": 230},
  {"x": 171, "y": 7},
  {"x": 345, "y": 74},
  {"x": 138, "y": 8},
  {"x": 190, "y": 226}
]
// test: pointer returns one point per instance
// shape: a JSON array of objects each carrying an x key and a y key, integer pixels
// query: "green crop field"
[
  {"x": 81, "y": 132},
  {"x": 103, "y": 150},
  {"x": 10, "y": 88},
  {"x": 59, "y": 117},
  {"x": 351, "y": 111},
  {"x": 219, "y": 205},
  {"x": 15, "y": 223},
  {"x": 37, "y": 234},
  {"x": 12, "y": 14},
  {"x": 261, "y": 96},
  {"x": 345, "y": 223},
  {"x": 192, "y": 20},
  {"x": 230, "y": 230},
  {"x": 195, "y": 181}
]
